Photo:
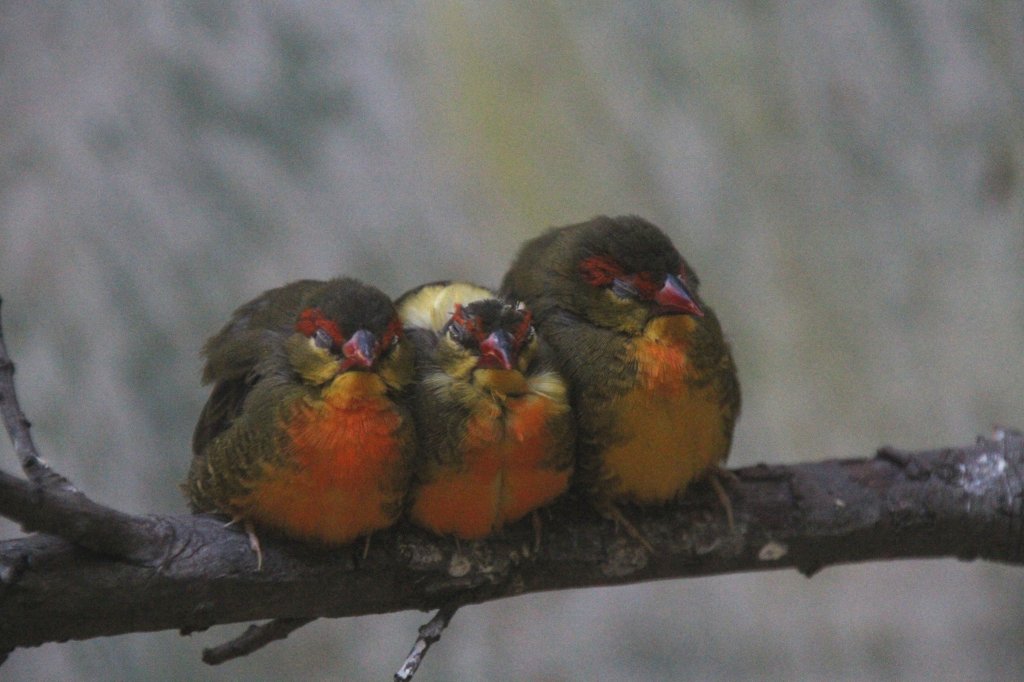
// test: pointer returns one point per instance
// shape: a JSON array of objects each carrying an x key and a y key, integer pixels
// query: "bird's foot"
[
  {"x": 716, "y": 475},
  {"x": 535, "y": 517},
  {"x": 254, "y": 544},
  {"x": 254, "y": 541},
  {"x": 619, "y": 519}
]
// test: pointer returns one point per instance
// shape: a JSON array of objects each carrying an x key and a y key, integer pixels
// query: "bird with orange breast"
[
  {"x": 653, "y": 381},
  {"x": 306, "y": 431},
  {"x": 492, "y": 415}
]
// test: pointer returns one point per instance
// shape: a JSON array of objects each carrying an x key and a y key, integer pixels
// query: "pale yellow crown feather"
[{"x": 432, "y": 306}]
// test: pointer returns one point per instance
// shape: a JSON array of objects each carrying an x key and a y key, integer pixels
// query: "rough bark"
[{"x": 191, "y": 572}]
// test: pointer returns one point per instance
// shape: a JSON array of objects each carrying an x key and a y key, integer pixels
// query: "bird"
[
  {"x": 653, "y": 382},
  {"x": 492, "y": 415},
  {"x": 307, "y": 430}
]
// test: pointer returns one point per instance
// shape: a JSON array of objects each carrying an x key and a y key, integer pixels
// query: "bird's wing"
[
  {"x": 232, "y": 445},
  {"x": 221, "y": 409},
  {"x": 239, "y": 354}
]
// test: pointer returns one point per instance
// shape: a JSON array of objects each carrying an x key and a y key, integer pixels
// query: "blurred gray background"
[{"x": 845, "y": 177}]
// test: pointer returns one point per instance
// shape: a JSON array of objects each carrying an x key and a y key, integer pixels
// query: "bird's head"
[
  {"x": 489, "y": 334},
  {"x": 618, "y": 273},
  {"x": 349, "y": 327}
]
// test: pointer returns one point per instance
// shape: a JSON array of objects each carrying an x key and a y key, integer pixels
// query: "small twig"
[
  {"x": 255, "y": 637},
  {"x": 35, "y": 468},
  {"x": 429, "y": 633}
]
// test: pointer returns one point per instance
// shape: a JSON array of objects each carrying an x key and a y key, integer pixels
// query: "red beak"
[
  {"x": 674, "y": 298},
  {"x": 496, "y": 351},
  {"x": 360, "y": 350}
]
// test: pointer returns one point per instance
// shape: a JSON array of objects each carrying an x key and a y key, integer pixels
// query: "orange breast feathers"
[
  {"x": 670, "y": 429},
  {"x": 348, "y": 467},
  {"x": 503, "y": 475}
]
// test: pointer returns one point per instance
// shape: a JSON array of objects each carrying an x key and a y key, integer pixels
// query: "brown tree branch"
[
  {"x": 48, "y": 502},
  {"x": 953, "y": 502},
  {"x": 35, "y": 468},
  {"x": 74, "y": 517}
]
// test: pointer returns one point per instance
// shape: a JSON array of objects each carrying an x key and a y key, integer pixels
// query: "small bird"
[
  {"x": 307, "y": 430},
  {"x": 492, "y": 415},
  {"x": 653, "y": 382}
]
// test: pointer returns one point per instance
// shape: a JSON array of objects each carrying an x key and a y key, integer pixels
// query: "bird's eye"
[
  {"x": 624, "y": 289},
  {"x": 391, "y": 344},
  {"x": 322, "y": 339},
  {"x": 456, "y": 333}
]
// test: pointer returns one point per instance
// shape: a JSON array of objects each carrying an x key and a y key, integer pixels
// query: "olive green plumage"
[
  {"x": 446, "y": 390},
  {"x": 492, "y": 415},
  {"x": 261, "y": 367},
  {"x": 593, "y": 322}
]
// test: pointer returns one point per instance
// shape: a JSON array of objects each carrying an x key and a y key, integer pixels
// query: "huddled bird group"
[{"x": 335, "y": 411}]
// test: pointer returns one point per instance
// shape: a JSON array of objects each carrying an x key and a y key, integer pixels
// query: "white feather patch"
[{"x": 549, "y": 385}]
